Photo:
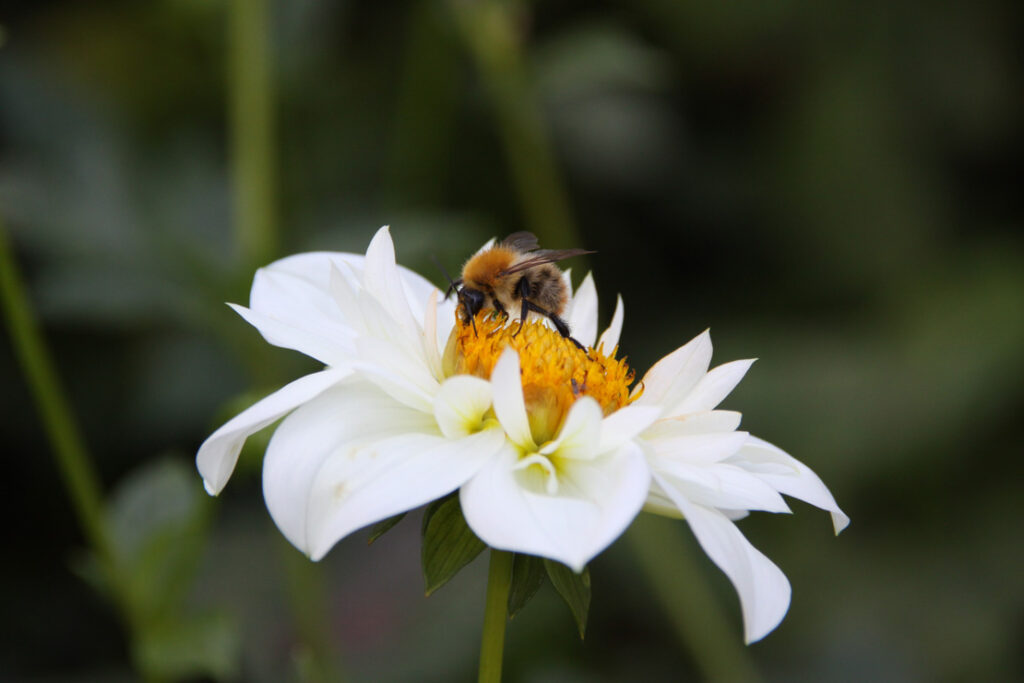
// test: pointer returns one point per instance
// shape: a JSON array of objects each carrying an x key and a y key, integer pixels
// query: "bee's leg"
[
  {"x": 559, "y": 324},
  {"x": 522, "y": 316},
  {"x": 523, "y": 290}
]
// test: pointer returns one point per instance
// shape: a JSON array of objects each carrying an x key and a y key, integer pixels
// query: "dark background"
[{"x": 833, "y": 187}]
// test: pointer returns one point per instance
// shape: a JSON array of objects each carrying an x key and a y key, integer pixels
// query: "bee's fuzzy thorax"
[{"x": 482, "y": 268}]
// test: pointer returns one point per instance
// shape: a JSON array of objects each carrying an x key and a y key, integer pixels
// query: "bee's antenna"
[{"x": 453, "y": 285}]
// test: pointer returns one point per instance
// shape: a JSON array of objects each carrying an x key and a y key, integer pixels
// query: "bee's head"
[{"x": 472, "y": 300}]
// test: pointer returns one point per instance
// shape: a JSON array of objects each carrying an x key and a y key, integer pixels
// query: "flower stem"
[
  {"x": 499, "y": 579},
  {"x": 73, "y": 461},
  {"x": 252, "y": 125}
]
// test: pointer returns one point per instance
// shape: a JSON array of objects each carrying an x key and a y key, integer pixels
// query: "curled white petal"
[
  {"x": 763, "y": 589},
  {"x": 790, "y": 477},
  {"x": 719, "y": 486},
  {"x": 217, "y": 455}
]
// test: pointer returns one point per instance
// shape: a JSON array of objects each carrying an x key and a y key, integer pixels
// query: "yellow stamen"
[{"x": 555, "y": 372}]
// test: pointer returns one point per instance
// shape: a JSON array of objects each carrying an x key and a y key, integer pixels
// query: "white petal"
[
  {"x": 508, "y": 400},
  {"x": 719, "y": 486},
  {"x": 763, "y": 589},
  {"x": 713, "y": 387},
  {"x": 610, "y": 337},
  {"x": 672, "y": 377},
  {"x": 698, "y": 449},
  {"x": 330, "y": 347},
  {"x": 487, "y": 245},
  {"x": 297, "y": 288},
  {"x": 346, "y": 417},
  {"x": 596, "y": 501},
  {"x": 356, "y": 487},
  {"x": 294, "y": 290},
  {"x": 624, "y": 424},
  {"x": 218, "y": 454},
  {"x": 431, "y": 350},
  {"x": 582, "y": 313},
  {"x": 381, "y": 278},
  {"x": 704, "y": 422},
  {"x": 461, "y": 404},
  {"x": 790, "y": 477},
  {"x": 388, "y": 365},
  {"x": 580, "y": 434}
]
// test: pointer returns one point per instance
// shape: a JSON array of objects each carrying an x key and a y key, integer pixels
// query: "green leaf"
[
  {"x": 448, "y": 543},
  {"x": 157, "y": 519},
  {"x": 528, "y": 576},
  {"x": 382, "y": 527},
  {"x": 574, "y": 589},
  {"x": 208, "y": 645}
]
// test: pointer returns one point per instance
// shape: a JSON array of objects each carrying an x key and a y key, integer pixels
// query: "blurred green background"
[{"x": 832, "y": 187}]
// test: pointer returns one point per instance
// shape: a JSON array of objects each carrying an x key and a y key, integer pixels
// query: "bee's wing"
[
  {"x": 544, "y": 256},
  {"x": 520, "y": 241}
]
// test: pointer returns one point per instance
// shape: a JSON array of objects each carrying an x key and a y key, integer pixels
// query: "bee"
[{"x": 514, "y": 275}]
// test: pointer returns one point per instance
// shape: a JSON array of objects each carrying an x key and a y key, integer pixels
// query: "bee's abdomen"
[{"x": 547, "y": 289}]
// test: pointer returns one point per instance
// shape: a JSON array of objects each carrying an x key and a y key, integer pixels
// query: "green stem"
[
  {"x": 73, "y": 462},
  {"x": 492, "y": 647},
  {"x": 688, "y": 601},
  {"x": 252, "y": 130}
]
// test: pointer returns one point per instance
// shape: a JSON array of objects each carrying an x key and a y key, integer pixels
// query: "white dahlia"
[{"x": 552, "y": 452}]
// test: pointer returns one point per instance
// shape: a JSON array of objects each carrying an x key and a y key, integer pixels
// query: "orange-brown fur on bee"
[
  {"x": 484, "y": 272},
  {"x": 516, "y": 278}
]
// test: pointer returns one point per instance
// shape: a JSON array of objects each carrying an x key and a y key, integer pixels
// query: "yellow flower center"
[{"x": 554, "y": 371}]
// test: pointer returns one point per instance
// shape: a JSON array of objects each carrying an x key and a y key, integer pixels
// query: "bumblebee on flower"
[{"x": 552, "y": 447}]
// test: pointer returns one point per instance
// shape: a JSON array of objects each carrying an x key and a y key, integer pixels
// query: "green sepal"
[
  {"x": 528, "y": 575},
  {"x": 448, "y": 542},
  {"x": 384, "y": 526},
  {"x": 574, "y": 589}
]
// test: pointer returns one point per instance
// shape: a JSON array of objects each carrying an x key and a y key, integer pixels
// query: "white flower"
[{"x": 551, "y": 452}]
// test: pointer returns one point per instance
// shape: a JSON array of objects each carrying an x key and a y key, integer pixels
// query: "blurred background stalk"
[
  {"x": 251, "y": 116},
  {"x": 491, "y": 32},
  {"x": 687, "y": 599},
  {"x": 73, "y": 462}
]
